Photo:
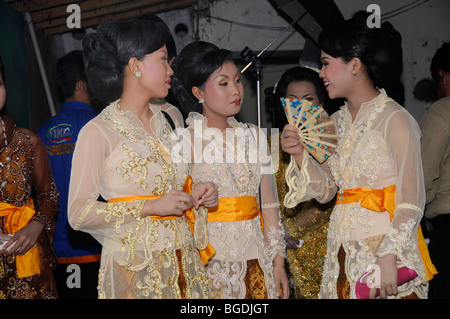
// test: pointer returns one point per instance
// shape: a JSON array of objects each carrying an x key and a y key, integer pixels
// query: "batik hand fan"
[{"x": 315, "y": 127}]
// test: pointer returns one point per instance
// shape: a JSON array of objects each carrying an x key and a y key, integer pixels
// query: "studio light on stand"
[{"x": 255, "y": 61}]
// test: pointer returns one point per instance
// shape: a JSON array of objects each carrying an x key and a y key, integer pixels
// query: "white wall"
[
  {"x": 423, "y": 28},
  {"x": 253, "y": 24},
  {"x": 236, "y": 24}
]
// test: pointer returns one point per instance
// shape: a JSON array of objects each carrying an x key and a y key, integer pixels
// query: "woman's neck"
[
  {"x": 138, "y": 106},
  {"x": 363, "y": 93},
  {"x": 217, "y": 121}
]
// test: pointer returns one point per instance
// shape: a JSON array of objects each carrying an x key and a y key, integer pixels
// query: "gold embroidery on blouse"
[
  {"x": 136, "y": 165},
  {"x": 165, "y": 183}
]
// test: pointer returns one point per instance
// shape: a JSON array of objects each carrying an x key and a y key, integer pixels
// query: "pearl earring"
[
  {"x": 201, "y": 101},
  {"x": 138, "y": 74}
]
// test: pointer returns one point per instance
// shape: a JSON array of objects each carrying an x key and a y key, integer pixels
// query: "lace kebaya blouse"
[
  {"x": 116, "y": 157},
  {"x": 239, "y": 162},
  {"x": 381, "y": 147}
]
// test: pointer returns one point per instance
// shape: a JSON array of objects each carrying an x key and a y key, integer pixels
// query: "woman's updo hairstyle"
[
  {"x": 379, "y": 49},
  {"x": 107, "y": 52},
  {"x": 192, "y": 67},
  {"x": 298, "y": 74}
]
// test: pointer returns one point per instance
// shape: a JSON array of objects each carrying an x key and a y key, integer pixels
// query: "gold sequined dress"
[
  {"x": 307, "y": 223},
  {"x": 141, "y": 258},
  {"x": 25, "y": 173},
  {"x": 239, "y": 162}
]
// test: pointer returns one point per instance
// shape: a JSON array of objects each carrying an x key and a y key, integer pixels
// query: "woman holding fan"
[{"x": 376, "y": 169}]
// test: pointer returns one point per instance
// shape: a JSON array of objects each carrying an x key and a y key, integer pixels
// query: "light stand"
[{"x": 249, "y": 57}]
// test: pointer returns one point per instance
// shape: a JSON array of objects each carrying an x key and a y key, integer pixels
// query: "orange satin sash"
[
  {"x": 381, "y": 200},
  {"x": 235, "y": 208},
  {"x": 28, "y": 264},
  {"x": 205, "y": 254}
]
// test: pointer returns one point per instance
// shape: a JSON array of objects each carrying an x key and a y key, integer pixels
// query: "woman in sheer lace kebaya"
[
  {"x": 377, "y": 158},
  {"x": 124, "y": 155},
  {"x": 249, "y": 244},
  {"x": 28, "y": 205}
]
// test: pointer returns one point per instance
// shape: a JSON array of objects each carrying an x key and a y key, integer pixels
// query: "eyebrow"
[
  {"x": 226, "y": 76},
  {"x": 162, "y": 50},
  {"x": 303, "y": 96}
]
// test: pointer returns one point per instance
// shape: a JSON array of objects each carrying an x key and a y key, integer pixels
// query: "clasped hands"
[{"x": 176, "y": 201}]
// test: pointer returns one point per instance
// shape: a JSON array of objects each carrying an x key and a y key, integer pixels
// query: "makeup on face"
[
  {"x": 223, "y": 92},
  {"x": 302, "y": 90}
]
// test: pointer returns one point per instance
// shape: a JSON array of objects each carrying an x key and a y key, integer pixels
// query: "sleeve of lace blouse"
[
  {"x": 313, "y": 180},
  {"x": 85, "y": 212},
  {"x": 402, "y": 135},
  {"x": 270, "y": 205}
]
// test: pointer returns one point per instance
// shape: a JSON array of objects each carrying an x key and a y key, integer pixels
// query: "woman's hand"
[
  {"x": 205, "y": 194},
  {"x": 280, "y": 277},
  {"x": 290, "y": 143},
  {"x": 174, "y": 202},
  {"x": 388, "y": 277},
  {"x": 291, "y": 243},
  {"x": 23, "y": 240}
]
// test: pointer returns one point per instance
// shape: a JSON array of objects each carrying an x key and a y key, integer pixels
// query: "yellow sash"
[
  {"x": 235, "y": 208},
  {"x": 380, "y": 200},
  {"x": 205, "y": 254},
  {"x": 28, "y": 264}
]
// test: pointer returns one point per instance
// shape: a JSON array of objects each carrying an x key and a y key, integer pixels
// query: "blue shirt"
[{"x": 59, "y": 135}]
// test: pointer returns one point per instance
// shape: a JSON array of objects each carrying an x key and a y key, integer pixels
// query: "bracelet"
[{"x": 278, "y": 266}]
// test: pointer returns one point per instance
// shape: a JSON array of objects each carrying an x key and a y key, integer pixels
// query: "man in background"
[
  {"x": 77, "y": 253},
  {"x": 435, "y": 144}
]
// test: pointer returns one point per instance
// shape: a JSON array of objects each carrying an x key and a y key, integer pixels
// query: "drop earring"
[{"x": 138, "y": 74}]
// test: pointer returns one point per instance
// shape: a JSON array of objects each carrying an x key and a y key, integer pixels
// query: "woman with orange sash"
[
  {"x": 26, "y": 223},
  {"x": 124, "y": 155},
  {"x": 249, "y": 243},
  {"x": 376, "y": 168}
]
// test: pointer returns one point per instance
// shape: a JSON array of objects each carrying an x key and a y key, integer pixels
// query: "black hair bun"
[
  {"x": 101, "y": 67},
  {"x": 382, "y": 55}
]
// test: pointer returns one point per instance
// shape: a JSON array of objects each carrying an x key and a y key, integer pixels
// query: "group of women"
[{"x": 152, "y": 219}]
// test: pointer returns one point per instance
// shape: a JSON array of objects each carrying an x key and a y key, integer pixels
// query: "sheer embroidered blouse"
[
  {"x": 380, "y": 148},
  {"x": 238, "y": 164},
  {"x": 115, "y": 157}
]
